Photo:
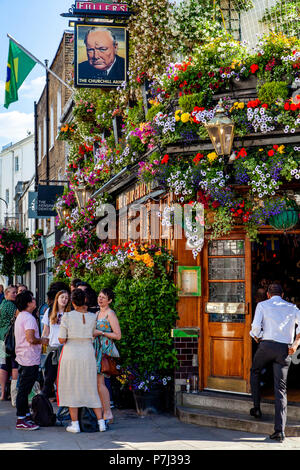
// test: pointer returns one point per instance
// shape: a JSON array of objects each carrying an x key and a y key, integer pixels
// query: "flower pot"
[
  {"x": 150, "y": 402},
  {"x": 285, "y": 220}
]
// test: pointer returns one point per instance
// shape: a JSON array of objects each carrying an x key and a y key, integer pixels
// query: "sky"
[{"x": 37, "y": 26}]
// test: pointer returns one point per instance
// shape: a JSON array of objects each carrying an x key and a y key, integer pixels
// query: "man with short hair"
[
  {"x": 273, "y": 328},
  {"x": 28, "y": 356},
  {"x": 103, "y": 61},
  {"x": 8, "y": 364}
]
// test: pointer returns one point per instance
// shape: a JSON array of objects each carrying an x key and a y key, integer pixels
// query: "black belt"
[{"x": 273, "y": 341}]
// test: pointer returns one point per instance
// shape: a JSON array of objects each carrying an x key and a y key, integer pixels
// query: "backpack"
[
  {"x": 42, "y": 411},
  {"x": 63, "y": 416},
  {"x": 87, "y": 420}
]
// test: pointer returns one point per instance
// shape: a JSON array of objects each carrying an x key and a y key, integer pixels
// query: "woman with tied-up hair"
[
  {"x": 77, "y": 370},
  {"x": 51, "y": 322}
]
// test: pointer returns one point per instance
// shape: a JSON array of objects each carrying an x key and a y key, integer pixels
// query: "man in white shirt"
[{"x": 273, "y": 328}]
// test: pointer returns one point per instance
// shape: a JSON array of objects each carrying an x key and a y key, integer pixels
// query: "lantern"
[
  {"x": 82, "y": 196},
  {"x": 221, "y": 131}
]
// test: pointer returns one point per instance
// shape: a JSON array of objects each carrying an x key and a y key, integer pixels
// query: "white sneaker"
[
  {"x": 74, "y": 427},
  {"x": 102, "y": 426}
]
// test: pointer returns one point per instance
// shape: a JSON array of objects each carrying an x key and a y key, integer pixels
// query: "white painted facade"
[{"x": 17, "y": 164}]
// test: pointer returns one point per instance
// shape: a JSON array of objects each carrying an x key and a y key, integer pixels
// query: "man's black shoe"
[
  {"x": 255, "y": 412},
  {"x": 278, "y": 436}
]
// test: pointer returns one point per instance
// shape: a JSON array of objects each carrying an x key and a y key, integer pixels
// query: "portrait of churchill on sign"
[{"x": 101, "y": 56}]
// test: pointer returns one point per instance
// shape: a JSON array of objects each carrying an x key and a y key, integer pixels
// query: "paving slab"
[{"x": 132, "y": 433}]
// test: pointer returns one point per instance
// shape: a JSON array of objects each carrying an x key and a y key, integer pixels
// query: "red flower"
[
  {"x": 253, "y": 103},
  {"x": 293, "y": 107},
  {"x": 197, "y": 158},
  {"x": 165, "y": 159},
  {"x": 271, "y": 153},
  {"x": 242, "y": 153},
  {"x": 254, "y": 68},
  {"x": 264, "y": 105},
  {"x": 287, "y": 106},
  {"x": 176, "y": 78}
]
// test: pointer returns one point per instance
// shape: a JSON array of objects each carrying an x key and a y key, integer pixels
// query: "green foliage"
[
  {"x": 146, "y": 310},
  {"x": 153, "y": 111},
  {"x": 188, "y": 102},
  {"x": 108, "y": 279},
  {"x": 269, "y": 92}
]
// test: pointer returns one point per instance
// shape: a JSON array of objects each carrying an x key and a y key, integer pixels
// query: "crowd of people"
[
  {"x": 78, "y": 328},
  {"x": 74, "y": 332}
]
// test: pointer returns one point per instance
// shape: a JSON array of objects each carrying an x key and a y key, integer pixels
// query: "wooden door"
[{"x": 226, "y": 314}]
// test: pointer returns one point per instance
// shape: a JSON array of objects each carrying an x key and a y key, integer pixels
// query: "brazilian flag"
[{"x": 19, "y": 65}]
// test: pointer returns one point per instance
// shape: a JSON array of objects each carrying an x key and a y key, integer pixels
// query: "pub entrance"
[
  {"x": 276, "y": 258},
  {"x": 236, "y": 273},
  {"x": 227, "y": 302}
]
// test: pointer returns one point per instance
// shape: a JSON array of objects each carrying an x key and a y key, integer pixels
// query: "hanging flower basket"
[{"x": 285, "y": 220}]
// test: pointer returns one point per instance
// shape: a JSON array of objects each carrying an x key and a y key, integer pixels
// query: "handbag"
[{"x": 109, "y": 365}]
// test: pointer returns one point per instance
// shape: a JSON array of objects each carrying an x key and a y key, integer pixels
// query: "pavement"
[{"x": 130, "y": 432}]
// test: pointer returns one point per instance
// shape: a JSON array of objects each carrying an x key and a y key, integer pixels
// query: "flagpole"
[{"x": 39, "y": 62}]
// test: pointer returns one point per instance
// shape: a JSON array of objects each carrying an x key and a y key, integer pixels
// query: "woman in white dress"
[{"x": 77, "y": 370}]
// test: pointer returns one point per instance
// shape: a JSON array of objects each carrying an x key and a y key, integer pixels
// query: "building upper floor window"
[
  {"x": 17, "y": 167},
  {"x": 7, "y": 195},
  {"x": 58, "y": 110},
  {"x": 40, "y": 144},
  {"x": 44, "y": 136},
  {"x": 51, "y": 127}
]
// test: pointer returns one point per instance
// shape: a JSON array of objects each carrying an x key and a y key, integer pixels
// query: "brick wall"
[
  {"x": 187, "y": 355},
  {"x": 62, "y": 65}
]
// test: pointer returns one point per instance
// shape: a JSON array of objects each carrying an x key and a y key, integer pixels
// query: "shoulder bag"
[
  {"x": 9, "y": 339},
  {"x": 109, "y": 365}
]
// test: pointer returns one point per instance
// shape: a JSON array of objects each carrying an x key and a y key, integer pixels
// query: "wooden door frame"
[{"x": 203, "y": 368}]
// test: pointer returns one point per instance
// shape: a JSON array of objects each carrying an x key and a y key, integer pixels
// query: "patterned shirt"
[{"x": 7, "y": 311}]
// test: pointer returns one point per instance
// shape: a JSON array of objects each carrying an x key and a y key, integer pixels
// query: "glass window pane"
[
  {"x": 226, "y": 268},
  {"x": 226, "y": 292},
  {"x": 226, "y": 248}
]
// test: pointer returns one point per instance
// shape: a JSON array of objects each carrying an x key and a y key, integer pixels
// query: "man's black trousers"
[
  {"x": 27, "y": 375},
  {"x": 277, "y": 354}
]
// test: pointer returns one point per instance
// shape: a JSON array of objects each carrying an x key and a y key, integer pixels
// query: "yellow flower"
[
  {"x": 241, "y": 105},
  {"x": 281, "y": 149},
  {"x": 260, "y": 150},
  {"x": 158, "y": 253},
  {"x": 212, "y": 156},
  {"x": 185, "y": 117},
  {"x": 154, "y": 102},
  {"x": 177, "y": 117}
]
